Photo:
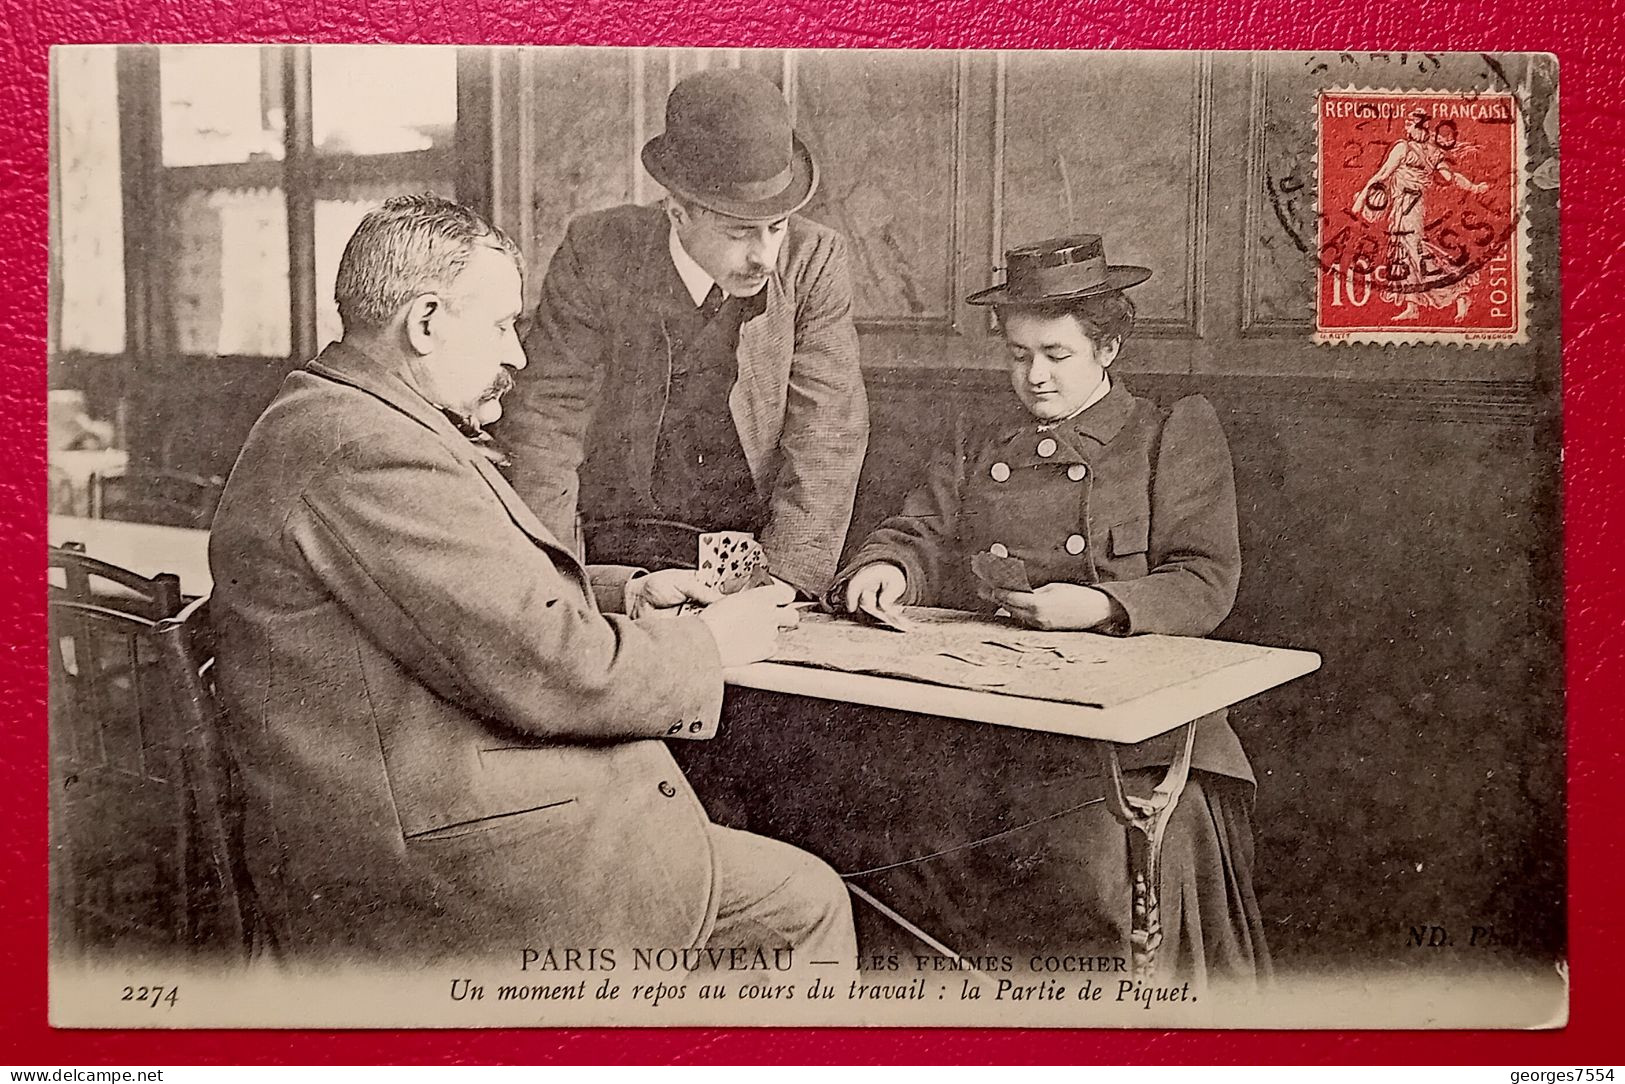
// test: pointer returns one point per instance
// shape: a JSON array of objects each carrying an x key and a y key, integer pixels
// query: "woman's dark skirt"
[{"x": 992, "y": 840}]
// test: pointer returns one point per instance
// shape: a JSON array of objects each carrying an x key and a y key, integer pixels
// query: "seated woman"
[{"x": 1124, "y": 515}]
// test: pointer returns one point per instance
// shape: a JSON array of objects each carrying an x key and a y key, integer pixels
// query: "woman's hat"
[
  {"x": 1059, "y": 269},
  {"x": 729, "y": 147}
]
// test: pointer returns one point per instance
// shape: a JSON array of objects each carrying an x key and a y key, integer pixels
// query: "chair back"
[
  {"x": 221, "y": 908},
  {"x": 143, "y": 811},
  {"x": 75, "y": 576},
  {"x": 170, "y": 498},
  {"x": 101, "y": 671}
]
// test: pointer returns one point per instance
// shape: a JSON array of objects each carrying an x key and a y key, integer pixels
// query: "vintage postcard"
[{"x": 665, "y": 537}]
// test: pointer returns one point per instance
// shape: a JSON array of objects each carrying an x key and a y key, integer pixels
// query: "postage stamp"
[{"x": 1421, "y": 221}]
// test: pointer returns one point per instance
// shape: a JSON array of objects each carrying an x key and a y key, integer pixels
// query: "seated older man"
[{"x": 449, "y": 749}]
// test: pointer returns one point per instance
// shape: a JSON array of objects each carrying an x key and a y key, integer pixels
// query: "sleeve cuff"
[
  {"x": 695, "y": 717},
  {"x": 1121, "y": 622}
]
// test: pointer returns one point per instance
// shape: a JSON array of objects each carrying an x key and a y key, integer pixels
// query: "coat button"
[
  {"x": 1046, "y": 447},
  {"x": 998, "y": 550},
  {"x": 667, "y": 789},
  {"x": 675, "y": 728},
  {"x": 1076, "y": 472},
  {"x": 1074, "y": 544},
  {"x": 695, "y": 727},
  {"x": 1000, "y": 472}
]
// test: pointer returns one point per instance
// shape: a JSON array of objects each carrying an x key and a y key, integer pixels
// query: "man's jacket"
[
  {"x": 587, "y": 410},
  {"x": 446, "y": 748}
]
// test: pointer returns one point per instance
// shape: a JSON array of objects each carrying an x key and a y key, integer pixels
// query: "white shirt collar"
[
  {"x": 694, "y": 276},
  {"x": 1096, "y": 396}
]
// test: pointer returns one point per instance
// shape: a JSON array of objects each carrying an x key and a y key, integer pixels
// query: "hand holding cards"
[
  {"x": 731, "y": 561},
  {"x": 875, "y": 590},
  {"x": 1004, "y": 573},
  {"x": 889, "y": 619},
  {"x": 746, "y": 624}
]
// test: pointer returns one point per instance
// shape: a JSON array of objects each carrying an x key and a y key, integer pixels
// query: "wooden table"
[
  {"x": 1190, "y": 678},
  {"x": 141, "y": 547},
  {"x": 1215, "y": 675},
  {"x": 1219, "y": 676}
]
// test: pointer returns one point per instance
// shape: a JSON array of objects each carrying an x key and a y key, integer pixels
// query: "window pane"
[
  {"x": 221, "y": 103},
  {"x": 383, "y": 100},
  {"x": 336, "y": 220},
  {"x": 231, "y": 272},
  {"x": 90, "y": 256}
]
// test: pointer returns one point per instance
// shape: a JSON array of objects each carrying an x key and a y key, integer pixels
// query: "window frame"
[{"x": 148, "y": 189}]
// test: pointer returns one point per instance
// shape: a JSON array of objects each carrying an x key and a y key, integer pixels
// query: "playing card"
[
  {"x": 731, "y": 561},
  {"x": 1005, "y": 573},
  {"x": 890, "y": 620}
]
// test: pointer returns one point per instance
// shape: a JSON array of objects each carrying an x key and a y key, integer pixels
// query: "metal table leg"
[{"x": 1145, "y": 820}]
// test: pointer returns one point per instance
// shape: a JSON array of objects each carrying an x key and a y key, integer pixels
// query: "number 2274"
[{"x": 153, "y": 995}]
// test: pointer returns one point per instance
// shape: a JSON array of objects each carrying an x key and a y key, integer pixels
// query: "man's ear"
[
  {"x": 1107, "y": 354},
  {"x": 421, "y": 313},
  {"x": 676, "y": 213}
]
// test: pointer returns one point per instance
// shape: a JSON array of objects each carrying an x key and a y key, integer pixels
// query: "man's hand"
[
  {"x": 877, "y": 587},
  {"x": 746, "y": 625},
  {"x": 1054, "y": 606},
  {"x": 666, "y": 589}
]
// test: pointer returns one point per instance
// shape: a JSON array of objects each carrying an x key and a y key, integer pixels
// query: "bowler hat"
[
  {"x": 1059, "y": 269},
  {"x": 728, "y": 146}
]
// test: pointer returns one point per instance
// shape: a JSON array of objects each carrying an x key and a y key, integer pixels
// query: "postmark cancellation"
[{"x": 1422, "y": 231}]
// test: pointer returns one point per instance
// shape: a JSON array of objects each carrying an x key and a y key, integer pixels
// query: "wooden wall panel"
[
  {"x": 580, "y": 128},
  {"x": 1114, "y": 145},
  {"x": 884, "y": 129}
]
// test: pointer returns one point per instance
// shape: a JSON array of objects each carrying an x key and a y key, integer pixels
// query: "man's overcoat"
[{"x": 446, "y": 749}]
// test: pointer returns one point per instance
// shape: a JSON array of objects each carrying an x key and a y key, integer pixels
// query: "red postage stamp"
[{"x": 1421, "y": 225}]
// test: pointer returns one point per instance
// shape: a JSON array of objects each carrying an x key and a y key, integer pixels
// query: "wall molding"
[
  {"x": 1516, "y": 403},
  {"x": 1253, "y": 324},
  {"x": 1188, "y": 324},
  {"x": 944, "y": 322}
]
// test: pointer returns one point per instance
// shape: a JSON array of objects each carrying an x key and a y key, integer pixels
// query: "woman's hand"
[
  {"x": 876, "y": 587},
  {"x": 1054, "y": 606}
]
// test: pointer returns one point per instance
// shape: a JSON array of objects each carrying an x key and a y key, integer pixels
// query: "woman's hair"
[{"x": 1106, "y": 318}]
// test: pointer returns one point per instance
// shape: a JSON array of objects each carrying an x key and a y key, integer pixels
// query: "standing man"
[
  {"x": 446, "y": 749},
  {"x": 697, "y": 361}
]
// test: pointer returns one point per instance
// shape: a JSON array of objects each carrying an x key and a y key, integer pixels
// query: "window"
[
  {"x": 87, "y": 243},
  {"x": 247, "y": 167}
]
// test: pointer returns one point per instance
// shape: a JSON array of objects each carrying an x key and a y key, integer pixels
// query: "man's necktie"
[
  {"x": 712, "y": 303},
  {"x": 478, "y": 437}
]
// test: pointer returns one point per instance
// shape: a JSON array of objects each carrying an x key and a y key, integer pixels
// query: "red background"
[{"x": 1583, "y": 33}]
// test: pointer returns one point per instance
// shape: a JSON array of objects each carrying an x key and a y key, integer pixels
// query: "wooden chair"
[
  {"x": 170, "y": 498},
  {"x": 221, "y": 909},
  {"x": 75, "y": 576},
  {"x": 642, "y": 541},
  {"x": 145, "y": 828}
]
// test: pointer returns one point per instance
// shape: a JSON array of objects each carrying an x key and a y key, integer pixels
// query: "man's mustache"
[{"x": 501, "y": 386}]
